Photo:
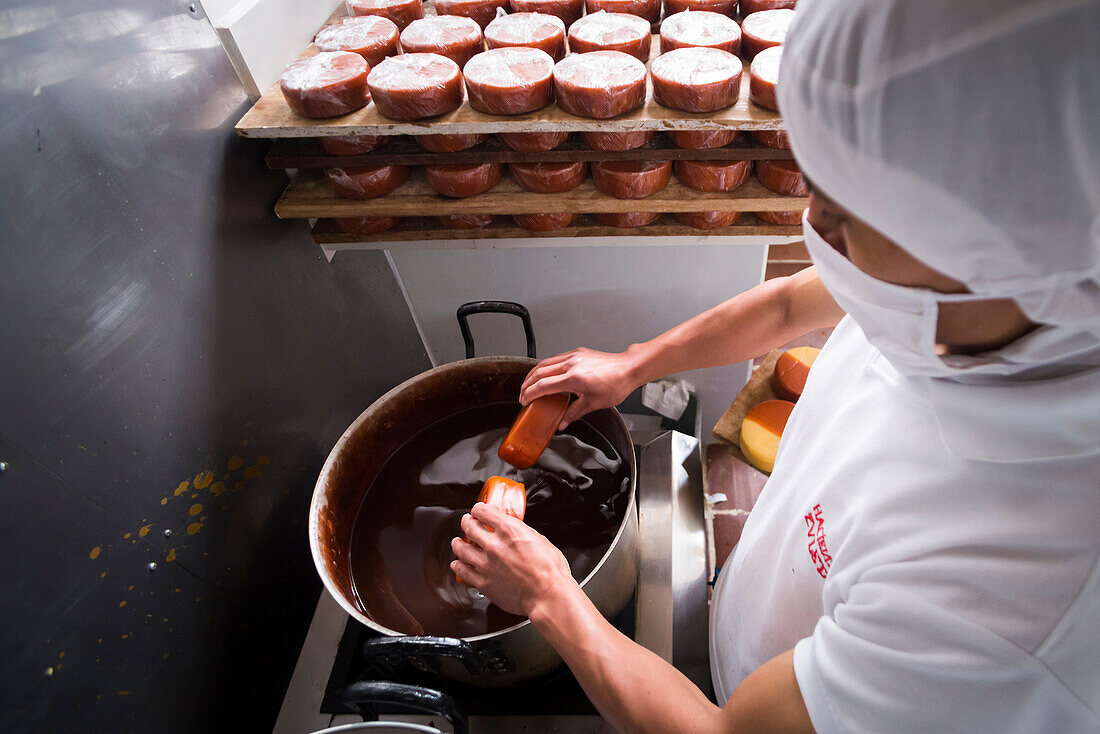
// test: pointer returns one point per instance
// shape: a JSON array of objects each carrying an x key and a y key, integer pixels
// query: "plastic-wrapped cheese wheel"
[
  {"x": 761, "y": 430},
  {"x": 748, "y": 7},
  {"x": 625, "y": 220},
  {"x": 772, "y": 138},
  {"x": 617, "y": 141},
  {"x": 763, "y": 75},
  {"x": 782, "y": 177},
  {"x": 482, "y": 11},
  {"x": 366, "y": 225},
  {"x": 723, "y": 176},
  {"x": 696, "y": 79},
  {"x": 352, "y": 144},
  {"x": 600, "y": 84},
  {"x": 401, "y": 12},
  {"x": 605, "y": 31},
  {"x": 702, "y": 139},
  {"x": 533, "y": 142},
  {"x": 371, "y": 36},
  {"x": 707, "y": 220},
  {"x": 460, "y": 181},
  {"x": 534, "y": 30},
  {"x": 543, "y": 222},
  {"x": 510, "y": 81},
  {"x": 549, "y": 178},
  {"x": 791, "y": 370},
  {"x": 568, "y": 10},
  {"x": 452, "y": 36},
  {"x": 329, "y": 84},
  {"x": 416, "y": 86},
  {"x": 723, "y": 7},
  {"x": 464, "y": 221},
  {"x": 763, "y": 30},
  {"x": 788, "y": 218},
  {"x": 648, "y": 9},
  {"x": 631, "y": 179},
  {"x": 450, "y": 143},
  {"x": 366, "y": 182},
  {"x": 700, "y": 29}
]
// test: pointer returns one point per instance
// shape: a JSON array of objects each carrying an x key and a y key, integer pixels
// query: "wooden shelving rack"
[{"x": 309, "y": 197}]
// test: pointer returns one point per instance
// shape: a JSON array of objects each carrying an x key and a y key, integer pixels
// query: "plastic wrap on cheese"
[
  {"x": 533, "y": 142},
  {"x": 772, "y": 138},
  {"x": 722, "y": 7},
  {"x": 627, "y": 220},
  {"x": 617, "y": 141},
  {"x": 534, "y": 30},
  {"x": 789, "y": 218},
  {"x": 366, "y": 225},
  {"x": 702, "y": 139},
  {"x": 450, "y": 143},
  {"x": 568, "y": 10},
  {"x": 366, "y": 182},
  {"x": 401, "y": 12},
  {"x": 460, "y": 181},
  {"x": 329, "y": 84},
  {"x": 702, "y": 29},
  {"x": 763, "y": 30},
  {"x": 482, "y": 11},
  {"x": 371, "y": 36},
  {"x": 696, "y": 79},
  {"x": 714, "y": 176},
  {"x": 464, "y": 221},
  {"x": 748, "y": 7},
  {"x": 543, "y": 222},
  {"x": 650, "y": 10},
  {"x": 453, "y": 36},
  {"x": 605, "y": 31},
  {"x": 549, "y": 178},
  {"x": 782, "y": 177},
  {"x": 510, "y": 81},
  {"x": 416, "y": 86},
  {"x": 631, "y": 179},
  {"x": 352, "y": 144},
  {"x": 600, "y": 84},
  {"x": 707, "y": 220},
  {"x": 763, "y": 76}
]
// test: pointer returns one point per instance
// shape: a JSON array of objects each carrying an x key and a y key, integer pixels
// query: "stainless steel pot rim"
[
  {"x": 379, "y": 726},
  {"x": 315, "y": 505}
]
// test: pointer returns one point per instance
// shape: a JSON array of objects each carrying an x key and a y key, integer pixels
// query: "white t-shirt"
[{"x": 929, "y": 550}]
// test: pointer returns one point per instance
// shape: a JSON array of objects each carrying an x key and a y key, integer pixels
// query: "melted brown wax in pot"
[{"x": 400, "y": 551}]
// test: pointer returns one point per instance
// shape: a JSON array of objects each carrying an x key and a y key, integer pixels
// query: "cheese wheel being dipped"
[
  {"x": 532, "y": 430},
  {"x": 761, "y": 430},
  {"x": 791, "y": 371},
  {"x": 506, "y": 495}
]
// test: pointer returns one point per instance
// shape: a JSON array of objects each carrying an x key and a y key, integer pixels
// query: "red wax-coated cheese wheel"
[
  {"x": 617, "y": 141},
  {"x": 707, "y": 220},
  {"x": 627, "y": 220},
  {"x": 415, "y": 86},
  {"x": 482, "y": 11},
  {"x": 366, "y": 182},
  {"x": 789, "y": 218},
  {"x": 549, "y": 178},
  {"x": 510, "y": 81},
  {"x": 463, "y": 180},
  {"x": 450, "y": 143},
  {"x": 722, "y": 7},
  {"x": 533, "y": 142},
  {"x": 371, "y": 36},
  {"x": 700, "y": 29},
  {"x": 366, "y": 225},
  {"x": 568, "y": 10},
  {"x": 605, "y": 31},
  {"x": 352, "y": 144},
  {"x": 329, "y": 84},
  {"x": 631, "y": 179},
  {"x": 543, "y": 222},
  {"x": 452, "y": 36},
  {"x": 534, "y": 30},
  {"x": 696, "y": 79},
  {"x": 600, "y": 84},
  {"x": 782, "y": 177},
  {"x": 702, "y": 139},
  {"x": 761, "y": 430},
  {"x": 748, "y": 7},
  {"x": 464, "y": 221},
  {"x": 763, "y": 76},
  {"x": 791, "y": 371},
  {"x": 401, "y": 12},
  {"x": 648, "y": 9},
  {"x": 713, "y": 175},
  {"x": 772, "y": 138},
  {"x": 763, "y": 30}
]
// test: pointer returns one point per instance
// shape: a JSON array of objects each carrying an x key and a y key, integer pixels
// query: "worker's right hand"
[{"x": 598, "y": 379}]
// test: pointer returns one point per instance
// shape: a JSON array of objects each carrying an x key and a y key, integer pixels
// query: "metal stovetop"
[{"x": 669, "y": 615}]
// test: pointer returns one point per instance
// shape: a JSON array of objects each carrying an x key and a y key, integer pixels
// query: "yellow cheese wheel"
[
  {"x": 761, "y": 430},
  {"x": 791, "y": 372}
]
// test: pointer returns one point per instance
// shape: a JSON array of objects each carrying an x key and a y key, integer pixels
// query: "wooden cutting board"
[{"x": 756, "y": 390}]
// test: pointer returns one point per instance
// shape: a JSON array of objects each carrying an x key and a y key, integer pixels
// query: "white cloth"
[
  {"x": 928, "y": 578},
  {"x": 968, "y": 133}
]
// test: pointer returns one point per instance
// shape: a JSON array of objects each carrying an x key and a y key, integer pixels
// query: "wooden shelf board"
[
  {"x": 326, "y": 233},
  {"x": 308, "y": 153},
  {"x": 309, "y": 196}
]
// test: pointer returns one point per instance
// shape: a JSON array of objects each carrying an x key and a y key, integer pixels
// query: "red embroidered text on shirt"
[{"x": 815, "y": 530}]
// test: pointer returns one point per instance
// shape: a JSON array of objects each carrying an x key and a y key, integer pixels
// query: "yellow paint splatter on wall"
[
  {"x": 263, "y": 461},
  {"x": 203, "y": 479},
  {"x": 121, "y": 604},
  {"x": 171, "y": 555},
  {"x": 95, "y": 553},
  {"x": 252, "y": 472},
  {"x": 235, "y": 463},
  {"x": 164, "y": 501},
  {"x": 195, "y": 509},
  {"x": 144, "y": 531},
  {"x": 126, "y": 536},
  {"x": 217, "y": 488},
  {"x": 194, "y": 528},
  {"x": 182, "y": 488}
]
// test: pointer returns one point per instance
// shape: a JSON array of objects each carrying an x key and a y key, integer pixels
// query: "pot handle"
[
  {"x": 511, "y": 307},
  {"x": 365, "y": 695},
  {"x": 400, "y": 648}
]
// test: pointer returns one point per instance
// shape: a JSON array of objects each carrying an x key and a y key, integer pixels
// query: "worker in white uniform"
[{"x": 924, "y": 557}]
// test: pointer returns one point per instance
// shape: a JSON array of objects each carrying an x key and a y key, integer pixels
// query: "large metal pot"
[{"x": 517, "y": 653}]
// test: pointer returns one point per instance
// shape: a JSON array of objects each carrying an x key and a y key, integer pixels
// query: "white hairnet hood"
[{"x": 969, "y": 133}]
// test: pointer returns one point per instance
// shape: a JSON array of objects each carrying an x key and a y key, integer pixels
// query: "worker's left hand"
[{"x": 507, "y": 561}]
